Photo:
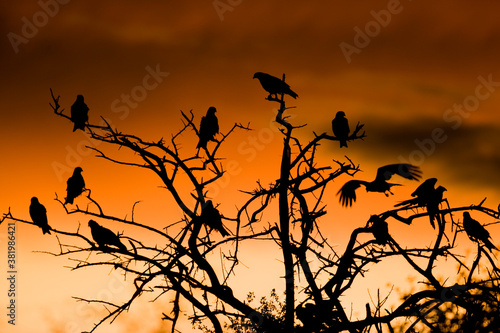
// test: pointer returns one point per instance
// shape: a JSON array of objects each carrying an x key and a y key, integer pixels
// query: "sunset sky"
[{"x": 422, "y": 76}]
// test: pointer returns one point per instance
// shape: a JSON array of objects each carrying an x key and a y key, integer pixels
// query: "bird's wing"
[
  {"x": 404, "y": 170},
  {"x": 95, "y": 230},
  {"x": 82, "y": 182},
  {"x": 211, "y": 126},
  {"x": 477, "y": 231},
  {"x": 425, "y": 188},
  {"x": 69, "y": 183},
  {"x": 473, "y": 228},
  {"x": 108, "y": 235},
  {"x": 274, "y": 85},
  {"x": 79, "y": 182},
  {"x": 203, "y": 123},
  {"x": 348, "y": 192},
  {"x": 215, "y": 124}
]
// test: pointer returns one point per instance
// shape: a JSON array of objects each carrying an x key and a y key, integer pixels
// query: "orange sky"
[{"x": 422, "y": 63}]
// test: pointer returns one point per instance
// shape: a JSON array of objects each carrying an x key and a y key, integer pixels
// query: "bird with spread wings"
[{"x": 348, "y": 191}]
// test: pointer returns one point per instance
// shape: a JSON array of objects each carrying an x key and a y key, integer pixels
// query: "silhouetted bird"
[
  {"x": 209, "y": 126},
  {"x": 79, "y": 113},
  {"x": 380, "y": 229},
  {"x": 38, "y": 215},
  {"x": 75, "y": 185},
  {"x": 273, "y": 85},
  {"x": 103, "y": 236},
  {"x": 212, "y": 218},
  {"x": 476, "y": 231},
  {"x": 433, "y": 202},
  {"x": 380, "y": 184},
  {"x": 426, "y": 196},
  {"x": 340, "y": 127}
]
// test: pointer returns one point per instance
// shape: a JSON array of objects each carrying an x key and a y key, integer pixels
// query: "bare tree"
[{"x": 180, "y": 266}]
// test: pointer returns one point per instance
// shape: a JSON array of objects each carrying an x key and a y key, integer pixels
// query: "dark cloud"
[{"x": 469, "y": 154}]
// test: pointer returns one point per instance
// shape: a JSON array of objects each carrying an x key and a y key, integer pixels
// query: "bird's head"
[
  {"x": 211, "y": 110},
  {"x": 34, "y": 200},
  {"x": 441, "y": 189},
  {"x": 79, "y": 98},
  {"x": 92, "y": 223},
  {"x": 257, "y": 75},
  {"x": 209, "y": 204},
  {"x": 340, "y": 114},
  {"x": 78, "y": 170},
  {"x": 466, "y": 215}
]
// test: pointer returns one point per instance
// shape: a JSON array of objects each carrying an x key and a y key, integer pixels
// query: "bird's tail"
[
  {"x": 431, "y": 220},
  {"x": 223, "y": 231},
  {"x": 79, "y": 126},
  {"x": 292, "y": 93},
  {"x": 343, "y": 143},
  {"x": 490, "y": 245},
  {"x": 406, "y": 203},
  {"x": 121, "y": 246},
  {"x": 68, "y": 200},
  {"x": 202, "y": 144},
  {"x": 46, "y": 230}
]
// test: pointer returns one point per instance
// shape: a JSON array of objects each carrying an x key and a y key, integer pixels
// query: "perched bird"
[
  {"x": 79, "y": 113},
  {"x": 74, "y": 186},
  {"x": 273, "y": 85},
  {"x": 477, "y": 232},
  {"x": 380, "y": 229},
  {"x": 212, "y": 218},
  {"x": 420, "y": 195},
  {"x": 380, "y": 184},
  {"x": 38, "y": 215},
  {"x": 103, "y": 236},
  {"x": 340, "y": 127},
  {"x": 209, "y": 126},
  {"x": 426, "y": 196},
  {"x": 433, "y": 201}
]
